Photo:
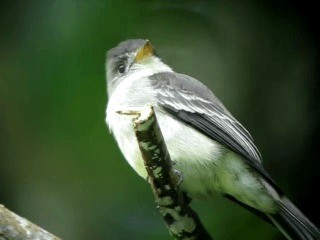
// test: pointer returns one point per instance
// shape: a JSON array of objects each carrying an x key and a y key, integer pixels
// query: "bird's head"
[{"x": 134, "y": 56}]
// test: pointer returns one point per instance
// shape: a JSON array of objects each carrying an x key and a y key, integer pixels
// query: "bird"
[{"x": 210, "y": 148}]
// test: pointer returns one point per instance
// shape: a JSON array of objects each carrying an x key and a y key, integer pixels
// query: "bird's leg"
[
  {"x": 180, "y": 175},
  {"x": 136, "y": 111},
  {"x": 130, "y": 111}
]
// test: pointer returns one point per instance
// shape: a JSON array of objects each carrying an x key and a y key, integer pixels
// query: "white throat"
[{"x": 148, "y": 67}]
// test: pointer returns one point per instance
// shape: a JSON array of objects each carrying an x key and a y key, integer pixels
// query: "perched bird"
[{"x": 211, "y": 149}]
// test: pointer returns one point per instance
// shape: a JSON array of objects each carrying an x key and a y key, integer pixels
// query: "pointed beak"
[{"x": 145, "y": 52}]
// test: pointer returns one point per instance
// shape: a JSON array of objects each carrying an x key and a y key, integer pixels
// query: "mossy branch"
[
  {"x": 14, "y": 227},
  {"x": 182, "y": 221}
]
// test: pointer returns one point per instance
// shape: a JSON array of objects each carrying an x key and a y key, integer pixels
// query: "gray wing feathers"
[
  {"x": 193, "y": 103},
  {"x": 183, "y": 93}
]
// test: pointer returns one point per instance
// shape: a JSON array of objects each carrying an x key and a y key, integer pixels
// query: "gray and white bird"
[{"x": 211, "y": 149}]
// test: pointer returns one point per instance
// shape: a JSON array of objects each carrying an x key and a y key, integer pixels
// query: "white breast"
[
  {"x": 180, "y": 138},
  {"x": 204, "y": 163}
]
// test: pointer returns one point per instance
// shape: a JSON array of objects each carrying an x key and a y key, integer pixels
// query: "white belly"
[
  {"x": 202, "y": 152},
  {"x": 180, "y": 139},
  {"x": 205, "y": 164}
]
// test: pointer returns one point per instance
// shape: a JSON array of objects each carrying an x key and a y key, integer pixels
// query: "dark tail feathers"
[{"x": 292, "y": 223}]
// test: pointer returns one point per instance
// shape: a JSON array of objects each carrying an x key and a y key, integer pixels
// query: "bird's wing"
[{"x": 193, "y": 103}]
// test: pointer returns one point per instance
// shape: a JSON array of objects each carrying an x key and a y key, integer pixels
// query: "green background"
[{"x": 60, "y": 167}]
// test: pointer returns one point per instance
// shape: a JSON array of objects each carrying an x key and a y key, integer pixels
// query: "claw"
[
  {"x": 180, "y": 177},
  {"x": 135, "y": 112}
]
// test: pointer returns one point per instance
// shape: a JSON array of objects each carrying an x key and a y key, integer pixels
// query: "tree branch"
[
  {"x": 14, "y": 227},
  {"x": 182, "y": 221}
]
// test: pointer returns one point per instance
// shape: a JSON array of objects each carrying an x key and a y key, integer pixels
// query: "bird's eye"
[{"x": 121, "y": 68}]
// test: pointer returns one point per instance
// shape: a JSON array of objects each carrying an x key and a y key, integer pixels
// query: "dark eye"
[{"x": 121, "y": 68}]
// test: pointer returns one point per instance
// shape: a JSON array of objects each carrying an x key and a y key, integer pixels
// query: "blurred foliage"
[{"x": 59, "y": 166}]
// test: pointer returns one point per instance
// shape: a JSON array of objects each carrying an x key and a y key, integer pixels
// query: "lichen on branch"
[
  {"x": 14, "y": 227},
  {"x": 181, "y": 220}
]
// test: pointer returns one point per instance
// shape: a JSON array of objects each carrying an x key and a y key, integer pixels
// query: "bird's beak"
[{"x": 145, "y": 52}]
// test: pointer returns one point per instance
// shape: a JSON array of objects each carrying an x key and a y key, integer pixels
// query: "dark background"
[{"x": 59, "y": 166}]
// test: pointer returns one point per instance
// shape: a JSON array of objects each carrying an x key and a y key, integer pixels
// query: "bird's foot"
[{"x": 180, "y": 176}]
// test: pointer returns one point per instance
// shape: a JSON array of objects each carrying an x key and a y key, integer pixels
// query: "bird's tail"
[{"x": 292, "y": 223}]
